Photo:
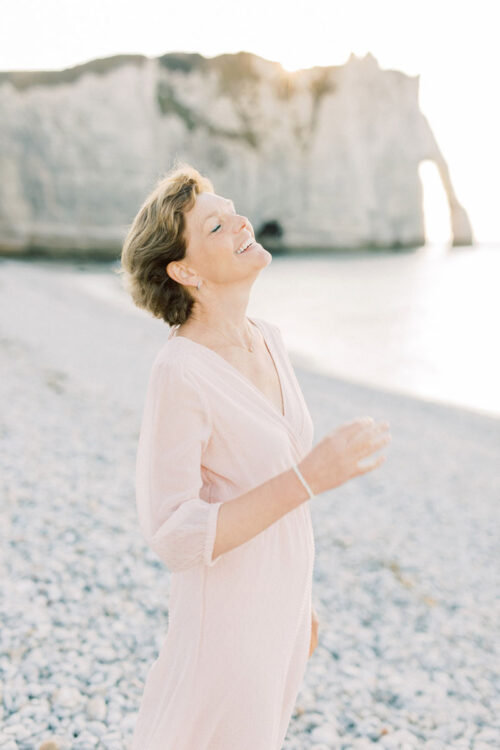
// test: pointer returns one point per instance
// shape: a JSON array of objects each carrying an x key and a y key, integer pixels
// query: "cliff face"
[{"x": 323, "y": 157}]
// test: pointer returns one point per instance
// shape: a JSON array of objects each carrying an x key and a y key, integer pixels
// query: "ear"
[{"x": 178, "y": 272}]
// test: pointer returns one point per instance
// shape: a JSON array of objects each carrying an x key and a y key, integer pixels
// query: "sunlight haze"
[{"x": 452, "y": 47}]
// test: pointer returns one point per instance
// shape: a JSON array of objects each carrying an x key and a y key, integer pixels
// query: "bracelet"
[{"x": 297, "y": 471}]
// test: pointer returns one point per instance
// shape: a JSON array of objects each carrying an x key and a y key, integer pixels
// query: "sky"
[{"x": 451, "y": 44}]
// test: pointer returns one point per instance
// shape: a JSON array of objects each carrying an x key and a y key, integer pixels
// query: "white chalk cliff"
[{"x": 325, "y": 157}]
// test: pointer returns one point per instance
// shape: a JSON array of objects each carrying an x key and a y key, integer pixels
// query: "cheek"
[{"x": 218, "y": 260}]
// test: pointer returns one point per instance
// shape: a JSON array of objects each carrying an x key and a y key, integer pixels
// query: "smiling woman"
[
  {"x": 183, "y": 234},
  {"x": 155, "y": 238},
  {"x": 224, "y": 420},
  {"x": 220, "y": 495}
]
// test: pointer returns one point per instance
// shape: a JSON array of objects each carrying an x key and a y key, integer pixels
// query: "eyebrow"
[{"x": 214, "y": 213}]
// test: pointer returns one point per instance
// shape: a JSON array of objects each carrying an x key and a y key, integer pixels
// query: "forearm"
[{"x": 245, "y": 516}]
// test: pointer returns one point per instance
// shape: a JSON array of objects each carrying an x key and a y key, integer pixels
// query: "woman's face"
[{"x": 214, "y": 232}]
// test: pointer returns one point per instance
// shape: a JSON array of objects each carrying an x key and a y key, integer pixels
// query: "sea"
[{"x": 422, "y": 321}]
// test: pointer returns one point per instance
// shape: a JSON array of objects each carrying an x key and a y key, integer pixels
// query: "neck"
[{"x": 226, "y": 315}]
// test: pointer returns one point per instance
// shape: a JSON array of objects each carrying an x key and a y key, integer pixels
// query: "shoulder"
[
  {"x": 174, "y": 384},
  {"x": 268, "y": 325},
  {"x": 176, "y": 366},
  {"x": 273, "y": 333},
  {"x": 174, "y": 358}
]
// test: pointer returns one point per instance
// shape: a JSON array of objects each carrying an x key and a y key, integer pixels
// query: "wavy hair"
[{"x": 155, "y": 238}]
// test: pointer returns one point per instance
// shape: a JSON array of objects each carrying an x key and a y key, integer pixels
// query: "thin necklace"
[{"x": 242, "y": 346}]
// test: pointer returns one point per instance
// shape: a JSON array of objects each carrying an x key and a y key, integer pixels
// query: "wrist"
[
  {"x": 304, "y": 490},
  {"x": 304, "y": 481}
]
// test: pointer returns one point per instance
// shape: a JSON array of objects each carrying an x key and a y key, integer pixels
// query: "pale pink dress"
[{"x": 239, "y": 627}]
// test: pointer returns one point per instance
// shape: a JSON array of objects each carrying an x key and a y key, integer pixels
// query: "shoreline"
[{"x": 99, "y": 281}]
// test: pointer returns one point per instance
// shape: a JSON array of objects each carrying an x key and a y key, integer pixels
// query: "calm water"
[{"x": 423, "y": 322}]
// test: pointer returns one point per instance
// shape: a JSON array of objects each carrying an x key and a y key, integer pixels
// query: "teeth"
[{"x": 244, "y": 247}]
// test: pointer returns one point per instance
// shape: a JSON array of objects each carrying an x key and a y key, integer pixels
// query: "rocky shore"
[{"x": 406, "y": 581}]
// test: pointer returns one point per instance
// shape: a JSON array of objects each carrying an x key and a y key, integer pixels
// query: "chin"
[
  {"x": 262, "y": 248},
  {"x": 268, "y": 255}
]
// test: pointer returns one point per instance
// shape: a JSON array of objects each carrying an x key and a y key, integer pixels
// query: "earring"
[{"x": 198, "y": 285}]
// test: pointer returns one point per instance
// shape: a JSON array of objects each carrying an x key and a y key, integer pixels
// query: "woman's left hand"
[{"x": 314, "y": 632}]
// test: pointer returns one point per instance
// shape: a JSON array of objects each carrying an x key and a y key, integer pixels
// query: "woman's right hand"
[{"x": 335, "y": 459}]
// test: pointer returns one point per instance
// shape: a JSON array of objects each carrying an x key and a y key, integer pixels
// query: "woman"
[{"x": 224, "y": 476}]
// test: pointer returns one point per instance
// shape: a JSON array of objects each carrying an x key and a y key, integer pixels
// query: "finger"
[
  {"x": 371, "y": 465},
  {"x": 356, "y": 424},
  {"x": 379, "y": 441},
  {"x": 363, "y": 440},
  {"x": 361, "y": 429},
  {"x": 367, "y": 436},
  {"x": 380, "y": 428}
]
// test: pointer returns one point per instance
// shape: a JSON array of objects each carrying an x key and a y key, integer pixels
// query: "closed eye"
[{"x": 218, "y": 225}]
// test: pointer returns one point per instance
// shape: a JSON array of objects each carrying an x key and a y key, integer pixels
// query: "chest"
[{"x": 259, "y": 367}]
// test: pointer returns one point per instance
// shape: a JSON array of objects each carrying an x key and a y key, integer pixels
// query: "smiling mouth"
[{"x": 249, "y": 247}]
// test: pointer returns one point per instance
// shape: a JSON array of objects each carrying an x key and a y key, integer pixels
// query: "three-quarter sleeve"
[{"x": 176, "y": 425}]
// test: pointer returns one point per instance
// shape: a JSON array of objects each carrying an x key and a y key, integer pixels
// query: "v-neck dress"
[{"x": 239, "y": 626}]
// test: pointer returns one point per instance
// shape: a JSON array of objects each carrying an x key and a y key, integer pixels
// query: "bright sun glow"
[
  {"x": 453, "y": 48},
  {"x": 293, "y": 62}
]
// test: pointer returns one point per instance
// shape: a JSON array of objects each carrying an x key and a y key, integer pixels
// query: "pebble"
[
  {"x": 8, "y": 744},
  {"x": 96, "y": 708},
  {"x": 404, "y": 578}
]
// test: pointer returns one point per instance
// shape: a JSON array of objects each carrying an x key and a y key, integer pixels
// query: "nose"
[{"x": 241, "y": 221}]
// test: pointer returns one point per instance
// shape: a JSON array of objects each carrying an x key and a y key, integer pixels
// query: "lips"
[
  {"x": 247, "y": 248},
  {"x": 252, "y": 243}
]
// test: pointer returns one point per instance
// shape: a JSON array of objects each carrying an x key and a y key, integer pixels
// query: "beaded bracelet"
[{"x": 297, "y": 471}]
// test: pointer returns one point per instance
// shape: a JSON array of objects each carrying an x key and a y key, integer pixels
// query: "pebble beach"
[{"x": 406, "y": 579}]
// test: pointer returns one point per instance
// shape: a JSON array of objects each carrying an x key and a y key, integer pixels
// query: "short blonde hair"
[{"x": 157, "y": 237}]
